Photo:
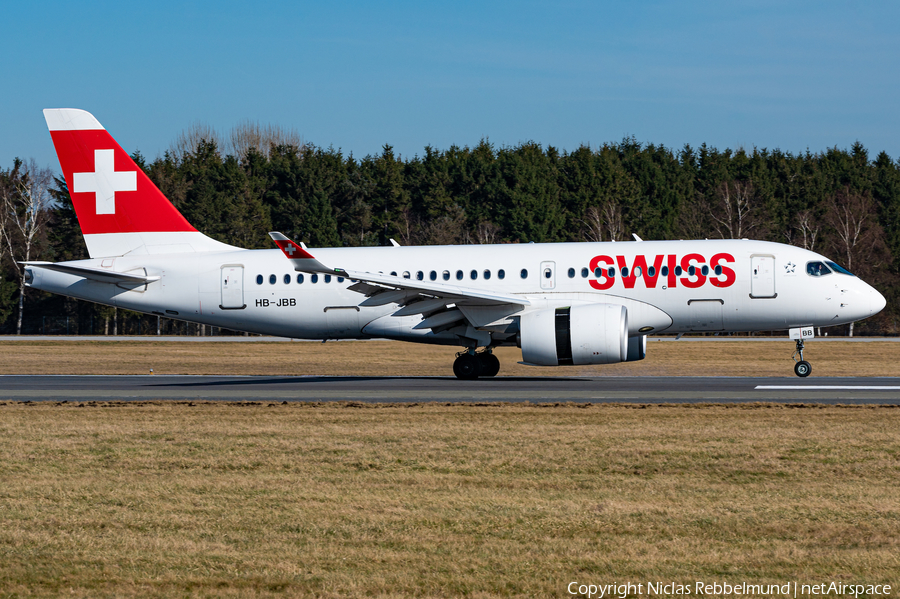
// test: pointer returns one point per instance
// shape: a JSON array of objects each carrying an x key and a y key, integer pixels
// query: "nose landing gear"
[
  {"x": 470, "y": 365},
  {"x": 802, "y": 368}
]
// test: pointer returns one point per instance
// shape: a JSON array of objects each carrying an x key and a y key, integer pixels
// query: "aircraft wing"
[
  {"x": 442, "y": 305},
  {"x": 95, "y": 274},
  {"x": 373, "y": 284}
]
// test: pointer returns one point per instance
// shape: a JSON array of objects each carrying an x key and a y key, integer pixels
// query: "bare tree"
[
  {"x": 615, "y": 225},
  {"x": 486, "y": 232},
  {"x": 9, "y": 180},
  {"x": 25, "y": 209},
  {"x": 733, "y": 210},
  {"x": 603, "y": 222},
  {"x": 239, "y": 141},
  {"x": 190, "y": 139},
  {"x": 408, "y": 225},
  {"x": 809, "y": 229},
  {"x": 248, "y": 134},
  {"x": 858, "y": 238},
  {"x": 593, "y": 224}
]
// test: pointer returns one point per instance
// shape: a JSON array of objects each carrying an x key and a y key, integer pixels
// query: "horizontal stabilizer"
[{"x": 95, "y": 274}]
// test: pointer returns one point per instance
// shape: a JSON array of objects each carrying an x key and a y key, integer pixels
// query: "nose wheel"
[
  {"x": 470, "y": 365},
  {"x": 802, "y": 368}
]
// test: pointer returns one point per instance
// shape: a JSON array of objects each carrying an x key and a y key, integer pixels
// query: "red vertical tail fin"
[{"x": 119, "y": 209}]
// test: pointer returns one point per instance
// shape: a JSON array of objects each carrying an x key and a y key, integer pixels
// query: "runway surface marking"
[
  {"x": 828, "y": 387},
  {"x": 374, "y": 389}
]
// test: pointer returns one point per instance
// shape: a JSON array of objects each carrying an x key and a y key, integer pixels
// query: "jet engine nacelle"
[{"x": 577, "y": 335}]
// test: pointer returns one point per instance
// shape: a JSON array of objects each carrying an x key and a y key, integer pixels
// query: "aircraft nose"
[{"x": 876, "y": 302}]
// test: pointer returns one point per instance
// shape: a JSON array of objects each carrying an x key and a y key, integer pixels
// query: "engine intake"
[{"x": 577, "y": 335}]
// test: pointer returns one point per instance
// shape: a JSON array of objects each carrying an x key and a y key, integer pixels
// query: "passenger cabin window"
[
  {"x": 705, "y": 270},
  {"x": 272, "y": 279},
  {"x": 473, "y": 275},
  {"x": 405, "y": 274},
  {"x": 571, "y": 273},
  {"x": 327, "y": 278},
  {"x": 433, "y": 275},
  {"x": 718, "y": 270},
  {"x": 486, "y": 274},
  {"x": 459, "y": 275},
  {"x": 548, "y": 273},
  {"x": 299, "y": 279},
  {"x": 420, "y": 276},
  {"x": 664, "y": 271},
  {"x": 817, "y": 269},
  {"x": 584, "y": 273},
  {"x": 501, "y": 274},
  {"x": 524, "y": 273},
  {"x": 287, "y": 279},
  {"x": 259, "y": 279},
  {"x": 313, "y": 278},
  {"x": 393, "y": 273},
  {"x": 651, "y": 270},
  {"x": 446, "y": 275},
  {"x": 637, "y": 271}
]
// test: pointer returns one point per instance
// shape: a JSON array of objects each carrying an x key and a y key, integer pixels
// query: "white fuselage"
[{"x": 770, "y": 288}]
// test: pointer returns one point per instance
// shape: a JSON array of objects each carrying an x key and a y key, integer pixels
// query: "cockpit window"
[
  {"x": 840, "y": 269},
  {"x": 817, "y": 269}
]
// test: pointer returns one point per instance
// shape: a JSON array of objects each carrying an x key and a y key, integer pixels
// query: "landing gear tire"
[
  {"x": 467, "y": 366},
  {"x": 801, "y": 368},
  {"x": 490, "y": 365}
]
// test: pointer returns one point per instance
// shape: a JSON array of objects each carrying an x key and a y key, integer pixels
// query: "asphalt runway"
[{"x": 831, "y": 390}]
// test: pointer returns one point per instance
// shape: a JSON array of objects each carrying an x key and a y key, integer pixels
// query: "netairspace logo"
[{"x": 789, "y": 589}]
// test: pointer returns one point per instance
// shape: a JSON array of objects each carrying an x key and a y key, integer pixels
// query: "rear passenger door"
[{"x": 232, "y": 287}]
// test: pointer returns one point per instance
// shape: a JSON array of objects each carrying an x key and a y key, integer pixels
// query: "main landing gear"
[
  {"x": 471, "y": 365},
  {"x": 801, "y": 368}
]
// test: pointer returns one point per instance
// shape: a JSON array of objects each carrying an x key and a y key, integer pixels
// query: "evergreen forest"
[{"x": 842, "y": 203}]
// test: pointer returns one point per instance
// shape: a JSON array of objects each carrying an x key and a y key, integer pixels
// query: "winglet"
[{"x": 302, "y": 260}]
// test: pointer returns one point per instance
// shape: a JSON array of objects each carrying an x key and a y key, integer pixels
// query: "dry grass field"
[
  {"x": 300, "y": 500},
  {"x": 365, "y": 358},
  {"x": 160, "y": 499}
]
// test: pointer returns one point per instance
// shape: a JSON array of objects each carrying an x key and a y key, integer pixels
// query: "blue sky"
[{"x": 358, "y": 75}]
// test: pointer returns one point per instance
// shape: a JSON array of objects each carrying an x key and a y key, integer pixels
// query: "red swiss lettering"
[
  {"x": 686, "y": 265},
  {"x": 672, "y": 262},
  {"x": 605, "y": 281},
  {"x": 727, "y": 272},
  {"x": 640, "y": 262}
]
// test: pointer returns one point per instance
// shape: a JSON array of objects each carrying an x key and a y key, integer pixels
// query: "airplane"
[{"x": 561, "y": 303}]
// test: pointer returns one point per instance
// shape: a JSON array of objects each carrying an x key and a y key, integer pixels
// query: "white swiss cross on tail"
[{"x": 105, "y": 181}]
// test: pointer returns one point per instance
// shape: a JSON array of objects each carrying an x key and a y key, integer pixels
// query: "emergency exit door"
[
  {"x": 232, "y": 288},
  {"x": 762, "y": 276}
]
